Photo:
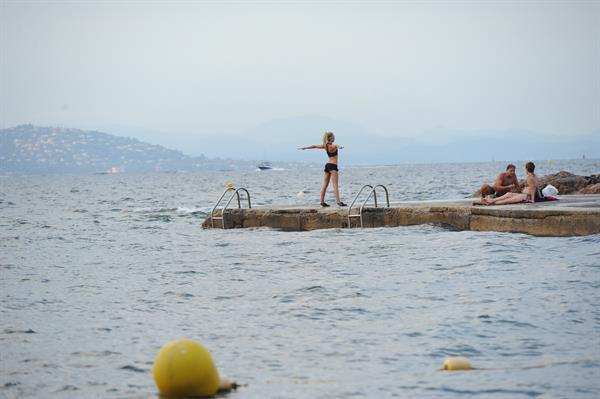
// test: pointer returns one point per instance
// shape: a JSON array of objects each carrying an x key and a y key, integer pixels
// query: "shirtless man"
[{"x": 505, "y": 182}]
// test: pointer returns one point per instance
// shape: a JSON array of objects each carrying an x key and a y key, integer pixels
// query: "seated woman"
[{"x": 530, "y": 193}]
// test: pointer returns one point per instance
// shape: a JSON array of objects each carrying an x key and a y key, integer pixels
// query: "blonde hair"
[{"x": 326, "y": 137}]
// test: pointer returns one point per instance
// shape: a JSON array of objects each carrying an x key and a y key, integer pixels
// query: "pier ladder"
[
  {"x": 236, "y": 193},
  {"x": 372, "y": 192}
]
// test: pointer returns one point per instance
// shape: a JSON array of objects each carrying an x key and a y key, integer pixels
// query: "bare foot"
[{"x": 487, "y": 202}]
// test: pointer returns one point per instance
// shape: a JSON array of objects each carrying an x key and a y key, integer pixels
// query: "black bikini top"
[{"x": 331, "y": 154}]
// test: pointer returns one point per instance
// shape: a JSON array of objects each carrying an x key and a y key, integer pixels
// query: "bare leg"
[
  {"x": 325, "y": 185},
  {"x": 501, "y": 198},
  {"x": 336, "y": 190},
  {"x": 509, "y": 198}
]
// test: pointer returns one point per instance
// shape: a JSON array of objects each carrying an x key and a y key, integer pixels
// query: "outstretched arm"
[{"x": 310, "y": 147}]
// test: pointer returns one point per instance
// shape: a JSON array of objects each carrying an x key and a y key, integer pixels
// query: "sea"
[{"x": 98, "y": 272}]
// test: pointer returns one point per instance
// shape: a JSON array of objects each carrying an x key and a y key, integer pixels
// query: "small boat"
[{"x": 265, "y": 166}]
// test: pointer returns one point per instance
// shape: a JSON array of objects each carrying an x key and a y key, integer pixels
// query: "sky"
[{"x": 185, "y": 71}]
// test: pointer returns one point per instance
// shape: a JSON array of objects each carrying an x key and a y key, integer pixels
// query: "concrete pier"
[{"x": 571, "y": 215}]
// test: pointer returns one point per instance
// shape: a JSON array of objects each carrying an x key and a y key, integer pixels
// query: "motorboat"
[{"x": 265, "y": 166}]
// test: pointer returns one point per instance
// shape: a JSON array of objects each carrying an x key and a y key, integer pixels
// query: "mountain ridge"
[
  {"x": 362, "y": 147},
  {"x": 29, "y": 149}
]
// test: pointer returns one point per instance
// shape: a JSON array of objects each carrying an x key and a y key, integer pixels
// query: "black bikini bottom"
[{"x": 329, "y": 167}]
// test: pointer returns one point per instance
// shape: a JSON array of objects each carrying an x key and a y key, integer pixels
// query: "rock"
[
  {"x": 567, "y": 183},
  {"x": 591, "y": 189}
]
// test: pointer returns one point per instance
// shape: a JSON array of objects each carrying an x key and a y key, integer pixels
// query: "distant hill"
[
  {"x": 28, "y": 149},
  {"x": 278, "y": 140}
]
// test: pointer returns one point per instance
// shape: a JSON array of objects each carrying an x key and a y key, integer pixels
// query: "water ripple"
[{"x": 98, "y": 280}]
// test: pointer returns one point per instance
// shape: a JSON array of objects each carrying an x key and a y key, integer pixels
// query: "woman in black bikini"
[{"x": 331, "y": 168}]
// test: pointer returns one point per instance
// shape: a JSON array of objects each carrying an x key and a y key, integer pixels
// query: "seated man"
[
  {"x": 505, "y": 182},
  {"x": 531, "y": 193}
]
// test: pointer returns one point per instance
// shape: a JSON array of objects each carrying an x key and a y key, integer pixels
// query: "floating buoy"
[
  {"x": 229, "y": 185},
  {"x": 456, "y": 363},
  {"x": 185, "y": 368}
]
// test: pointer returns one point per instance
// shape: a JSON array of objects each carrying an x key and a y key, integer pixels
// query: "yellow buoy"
[
  {"x": 185, "y": 368},
  {"x": 229, "y": 185},
  {"x": 456, "y": 363}
]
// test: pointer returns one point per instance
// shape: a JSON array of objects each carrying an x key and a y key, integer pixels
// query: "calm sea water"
[{"x": 98, "y": 272}]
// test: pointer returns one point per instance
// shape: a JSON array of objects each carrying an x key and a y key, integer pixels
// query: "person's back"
[{"x": 532, "y": 190}]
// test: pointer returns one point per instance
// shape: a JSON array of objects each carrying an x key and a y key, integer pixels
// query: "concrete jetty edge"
[{"x": 570, "y": 216}]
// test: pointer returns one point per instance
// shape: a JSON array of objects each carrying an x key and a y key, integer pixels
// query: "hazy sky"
[{"x": 394, "y": 68}]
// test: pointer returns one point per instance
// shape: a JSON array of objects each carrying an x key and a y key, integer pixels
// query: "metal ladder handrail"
[
  {"x": 373, "y": 193},
  {"x": 236, "y": 192}
]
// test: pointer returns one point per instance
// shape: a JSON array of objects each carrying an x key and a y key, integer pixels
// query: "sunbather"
[{"x": 529, "y": 194}]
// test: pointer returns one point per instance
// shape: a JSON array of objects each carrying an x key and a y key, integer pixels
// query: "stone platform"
[{"x": 571, "y": 215}]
